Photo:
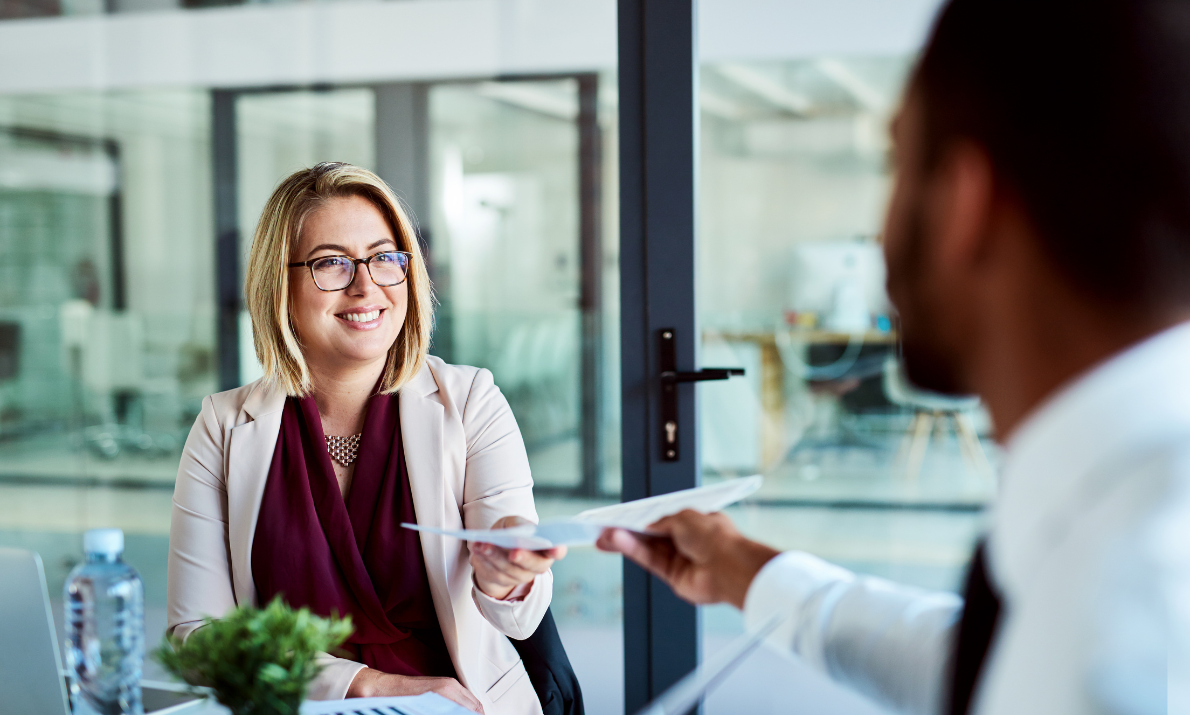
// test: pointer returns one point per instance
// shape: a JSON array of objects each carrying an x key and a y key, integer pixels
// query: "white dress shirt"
[{"x": 1089, "y": 549}]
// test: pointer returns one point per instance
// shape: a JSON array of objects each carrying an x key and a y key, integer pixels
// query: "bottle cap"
[{"x": 103, "y": 541}]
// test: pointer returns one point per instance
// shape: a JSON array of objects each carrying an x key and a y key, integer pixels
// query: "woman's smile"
[{"x": 367, "y": 317}]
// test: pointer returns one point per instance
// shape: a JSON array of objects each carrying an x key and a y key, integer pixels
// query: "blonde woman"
[{"x": 296, "y": 484}]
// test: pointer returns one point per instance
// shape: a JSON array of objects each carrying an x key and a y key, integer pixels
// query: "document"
[
  {"x": 585, "y": 528},
  {"x": 424, "y": 704}
]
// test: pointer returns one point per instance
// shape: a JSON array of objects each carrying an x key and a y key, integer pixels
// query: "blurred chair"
[
  {"x": 930, "y": 410},
  {"x": 106, "y": 353},
  {"x": 829, "y": 383}
]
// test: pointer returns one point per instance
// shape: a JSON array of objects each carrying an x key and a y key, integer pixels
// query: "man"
[{"x": 1038, "y": 249}]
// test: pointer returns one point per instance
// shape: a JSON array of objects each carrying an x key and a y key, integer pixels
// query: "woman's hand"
[
  {"x": 499, "y": 572},
  {"x": 370, "y": 683}
]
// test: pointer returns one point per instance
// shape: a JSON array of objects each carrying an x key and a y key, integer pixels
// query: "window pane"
[
  {"x": 95, "y": 402},
  {"x": 107, "y": 336}
]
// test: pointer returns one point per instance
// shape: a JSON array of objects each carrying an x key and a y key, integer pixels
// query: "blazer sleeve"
[
  {"x": 498, "y": 483},
  {"x": 199, "y": 579},
  {"x": 891, "y": 642}
]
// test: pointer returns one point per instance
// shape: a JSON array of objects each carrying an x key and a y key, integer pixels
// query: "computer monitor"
[{"x": 841, "y": 282}]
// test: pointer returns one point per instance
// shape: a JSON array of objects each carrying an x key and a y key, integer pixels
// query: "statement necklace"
[{"x": 343, "y": 449}]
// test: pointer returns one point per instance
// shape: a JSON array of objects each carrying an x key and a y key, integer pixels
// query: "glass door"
[{"x": 859, "y": 468}]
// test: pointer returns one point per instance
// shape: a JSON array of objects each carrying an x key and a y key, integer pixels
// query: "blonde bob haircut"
[{"x": 266, "y": 284}]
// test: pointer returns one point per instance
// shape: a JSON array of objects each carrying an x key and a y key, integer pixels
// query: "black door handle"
[
  {"x": 707, "y": 373},
  {"x": 670, "y": 377}
]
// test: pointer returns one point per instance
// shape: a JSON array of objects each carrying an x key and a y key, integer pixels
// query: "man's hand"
[
  {"x": 701, "y": 556},
  {"x": 508, "y": 573},
  {"x": 370, "y": 683}
]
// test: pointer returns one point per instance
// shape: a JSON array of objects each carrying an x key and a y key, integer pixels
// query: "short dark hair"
[{"x": 1084, "y": 109}]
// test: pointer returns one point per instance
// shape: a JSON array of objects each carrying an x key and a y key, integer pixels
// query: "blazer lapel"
[
  {"x": 422, "y": 438},
  {"x": 249, "y": 453}
]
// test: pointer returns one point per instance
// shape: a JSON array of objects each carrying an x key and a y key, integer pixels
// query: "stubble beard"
[{"x": 927, "y": 361}]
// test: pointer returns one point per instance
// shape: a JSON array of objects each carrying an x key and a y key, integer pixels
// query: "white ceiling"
[{"x": 352, "y": 41}]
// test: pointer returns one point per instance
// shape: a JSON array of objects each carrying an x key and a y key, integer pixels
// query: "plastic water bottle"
[{"x": 105, "y": 629}]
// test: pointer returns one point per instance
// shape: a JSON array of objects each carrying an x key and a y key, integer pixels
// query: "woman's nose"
[{"x": 362, "y": 283}]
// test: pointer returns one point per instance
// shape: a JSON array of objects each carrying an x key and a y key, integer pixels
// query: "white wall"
[{"x": 365, "y": 40}]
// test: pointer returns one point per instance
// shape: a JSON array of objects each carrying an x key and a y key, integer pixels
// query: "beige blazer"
[{"x": 467, "y": 467}]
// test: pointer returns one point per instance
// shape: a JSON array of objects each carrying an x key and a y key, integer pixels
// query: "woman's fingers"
[
  {"x": 505, "y": 563},
  {"x": 555, "y": 554},
  {"x": 452, "y": 689}
]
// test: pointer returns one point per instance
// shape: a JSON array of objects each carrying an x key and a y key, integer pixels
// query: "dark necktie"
[{"x": 981, "y": 613}]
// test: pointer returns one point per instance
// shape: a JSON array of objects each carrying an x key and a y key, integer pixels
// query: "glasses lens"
[
  {"x": 388, "y": 269},
  {"x": 333, "y": 272}
]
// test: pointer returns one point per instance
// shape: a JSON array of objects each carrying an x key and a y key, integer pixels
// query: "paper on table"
[
  {"x": 585, "y": 528},
  {"x": 424, "y": 704}
]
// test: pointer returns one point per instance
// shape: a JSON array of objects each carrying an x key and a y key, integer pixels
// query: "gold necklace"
[{"x": 343, "y": 449}]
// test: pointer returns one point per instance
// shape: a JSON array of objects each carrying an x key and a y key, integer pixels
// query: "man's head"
[{"x": 1041, "y": 142}]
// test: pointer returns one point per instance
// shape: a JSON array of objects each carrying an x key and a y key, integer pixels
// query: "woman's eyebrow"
[
  {"x": 326, "y": 247},
  {"x": 381, "y": 242},
  {"x": 343, "y": 249}
]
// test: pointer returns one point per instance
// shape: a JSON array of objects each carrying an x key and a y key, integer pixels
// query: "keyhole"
[{"x": 671, "y": 432}]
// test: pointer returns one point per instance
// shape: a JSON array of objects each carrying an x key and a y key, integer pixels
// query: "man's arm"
[{"x": 890, "y": 642}]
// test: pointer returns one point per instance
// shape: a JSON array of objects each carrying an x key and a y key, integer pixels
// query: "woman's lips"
[{"x": 361, "y": 321}]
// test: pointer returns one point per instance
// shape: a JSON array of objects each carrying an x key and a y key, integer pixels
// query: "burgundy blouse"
[{"x": 349, "y": 556}]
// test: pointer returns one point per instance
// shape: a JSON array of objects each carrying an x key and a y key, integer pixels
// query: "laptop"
[{"x": 31, "y": 678}]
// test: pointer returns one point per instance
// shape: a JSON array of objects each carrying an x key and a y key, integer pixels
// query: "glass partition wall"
[
  {"x": 109, "y": 317},
  {"x": 107, "y": 337},
  {"x": 860, "y": 468}
]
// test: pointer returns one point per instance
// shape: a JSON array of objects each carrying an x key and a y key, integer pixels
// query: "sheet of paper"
[
  {"x": 518, "y": 537},
  {"x": 424, "y": 704},
  {"x": 637, "y": 515},
  {"x": 585, "y": 528}
]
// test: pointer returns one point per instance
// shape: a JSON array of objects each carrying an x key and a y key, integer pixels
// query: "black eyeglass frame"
[{"x": 354, "y": 268}]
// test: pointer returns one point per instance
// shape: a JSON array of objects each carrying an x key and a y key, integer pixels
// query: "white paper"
[
  {"x": 424, "y": 704},
  {"x": 585, "y": 528},
  {"x": 638, "y": 515}
]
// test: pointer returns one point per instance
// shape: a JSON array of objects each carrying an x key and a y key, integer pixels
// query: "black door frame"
[{"x": 658, "y": 64}]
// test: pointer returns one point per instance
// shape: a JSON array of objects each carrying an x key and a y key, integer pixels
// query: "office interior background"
[{"x": 139, "y": 140}]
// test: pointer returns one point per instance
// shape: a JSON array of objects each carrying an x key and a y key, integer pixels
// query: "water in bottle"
[{"x": 105, "y": 629}]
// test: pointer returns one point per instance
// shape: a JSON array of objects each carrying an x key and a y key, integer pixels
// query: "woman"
[{"x": 296, "y": 484}]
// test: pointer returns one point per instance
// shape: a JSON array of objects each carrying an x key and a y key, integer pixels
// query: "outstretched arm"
[{"x": 890, "y": 642}]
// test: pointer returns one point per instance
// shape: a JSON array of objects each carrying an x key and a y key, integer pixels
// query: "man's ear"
[{"x": 961, "y": 196}]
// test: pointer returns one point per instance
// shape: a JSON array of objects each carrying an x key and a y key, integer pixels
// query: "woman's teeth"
[{"x": 361, "y": 317}]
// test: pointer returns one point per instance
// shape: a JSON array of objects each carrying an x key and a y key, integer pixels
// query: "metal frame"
[
  {"x": 229, "y": 290},
  {"x": 590, "y": 166},
  {"x": 658, "y": 62}
]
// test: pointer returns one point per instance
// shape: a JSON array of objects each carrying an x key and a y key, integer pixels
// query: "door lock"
[{"x": 670, "y": 377}]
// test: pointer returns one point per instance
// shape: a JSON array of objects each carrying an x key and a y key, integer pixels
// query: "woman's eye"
[{"x": 333, "y": 262}]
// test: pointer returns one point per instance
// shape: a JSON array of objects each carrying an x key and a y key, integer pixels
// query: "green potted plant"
[{"x": 255, "y": 661}]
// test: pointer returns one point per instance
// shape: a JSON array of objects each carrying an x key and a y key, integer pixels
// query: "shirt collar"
[{"x": 1066, "y": 448}]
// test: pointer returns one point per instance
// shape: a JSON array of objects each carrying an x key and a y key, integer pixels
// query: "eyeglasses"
[{"x": 330, "y": 273}]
